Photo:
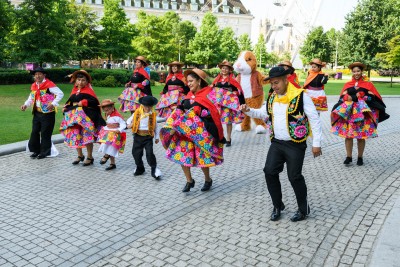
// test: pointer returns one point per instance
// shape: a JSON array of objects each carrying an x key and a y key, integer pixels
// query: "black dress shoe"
[
  {"x": 276, "y": 213},
  {"x": 188, "y": 186},
  {"x": 348, "y": 160},
  {"x": 228, "y": 143},
  {"x": 78, "y": 159},
  {"x": 207, "y": 185},
  {"x": 89, "y": 162},
  {"x": 111, "y": 167},
  {"x": 138, "y": 172},
  {"x": 34, "y": 155},
  {"x": 298, "y": 216},
  {"x": 360, "y": 161},
  {"x": 41, "y": 156}
]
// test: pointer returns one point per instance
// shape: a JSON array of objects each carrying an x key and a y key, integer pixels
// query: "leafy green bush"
[{"x": 109, "y": 81}]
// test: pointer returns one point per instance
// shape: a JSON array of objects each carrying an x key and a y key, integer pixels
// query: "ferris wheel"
[{"x": 297, "y": 18}]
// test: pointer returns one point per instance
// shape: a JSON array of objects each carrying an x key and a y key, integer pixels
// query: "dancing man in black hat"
[
  {"x": 44, "y": 99},
  {"x": 291, "y": 118}
]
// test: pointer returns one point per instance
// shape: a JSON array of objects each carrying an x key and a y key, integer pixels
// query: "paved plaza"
[{"x": 55, "y": 214}]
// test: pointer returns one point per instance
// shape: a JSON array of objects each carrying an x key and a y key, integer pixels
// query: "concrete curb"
[{"x": 21, "y": 146}]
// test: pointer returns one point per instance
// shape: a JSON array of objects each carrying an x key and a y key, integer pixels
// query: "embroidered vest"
[
  {"x": 136, "y": 122},
  {"x": 40, "y": 103},
  {"x": 298, "y": 125}
]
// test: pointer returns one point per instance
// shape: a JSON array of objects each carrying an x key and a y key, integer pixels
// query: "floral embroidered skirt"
[
  {"x": 319, "y": 99},
  {"x": 168, "y": 102},
  {"x": 229, "y": 105},
  {"x": 112, "y": 143},
  {"x": 129, "y": 99},
  {"x": 187, "y": 142},
  {"x": 78, "y": 129},
  {"x": 354, "y": 120}
]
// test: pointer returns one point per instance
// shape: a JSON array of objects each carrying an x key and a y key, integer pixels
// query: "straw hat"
[
  {"x": 357, "y": 64},
  {"x": 106, "y": 102},
  {"x": 175, "y": 63},
  {"x": 198, "y": 72},
  {"x": 84, "y": 73},
  {"x": 286, "y": 63},
  {"x": 226, "y": 63},
  {"x": 143, "y": 60},
  {"x": 318, "y": 62}
]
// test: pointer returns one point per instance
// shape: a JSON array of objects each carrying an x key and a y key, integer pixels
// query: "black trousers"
[
  {"x": 139, "y": 144},
  {"x": 42, "y": 129},
  {"x": 293, "y": 154}
]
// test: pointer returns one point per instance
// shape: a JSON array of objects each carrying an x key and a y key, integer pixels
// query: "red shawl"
[
  {"x": 231, "y": 79},
  {"x": 44, "y": 85},
  {"x": 142, "y": 71},
  {"x": 115, "y": 113},
  {"x": 201, "y": 98},
  {"x": 178, "y": 75},
  {"x": 363, "y": 84},
  {"x": 311, "y": 76},
  {"x": 293, "y": 79},
  {"x": 85, "y": 90}
]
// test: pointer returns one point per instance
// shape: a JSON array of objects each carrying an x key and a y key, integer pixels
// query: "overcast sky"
[{"x": 331, "y": 14}]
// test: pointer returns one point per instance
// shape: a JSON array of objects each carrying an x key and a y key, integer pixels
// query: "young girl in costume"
[
  {"x": 314, "y": 84},
  {"x": 112, "y": 136}
]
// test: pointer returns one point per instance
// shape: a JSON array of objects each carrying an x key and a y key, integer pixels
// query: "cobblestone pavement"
[{"x": 56, "y": 214}]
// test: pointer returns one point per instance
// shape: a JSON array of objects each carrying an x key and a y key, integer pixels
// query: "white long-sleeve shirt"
[
  {"x": 116, "y": 119},
  {"x": 54, "y": 90},
  {"x": 281, "y": 131},
  {"x": 144, "y": 125}
]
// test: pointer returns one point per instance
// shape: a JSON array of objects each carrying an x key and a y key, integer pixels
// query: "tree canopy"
[
  {"x": 316, "y": 45},
  {"x": 229, "y": 48},
  {"x": 244, "y": 42}
]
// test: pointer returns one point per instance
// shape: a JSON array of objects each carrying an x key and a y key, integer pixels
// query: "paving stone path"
[{"x": 55, "y": 214}]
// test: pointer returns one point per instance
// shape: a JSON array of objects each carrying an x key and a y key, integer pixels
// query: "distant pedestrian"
[
  {"x": 144, "y": 127},
  {"x": 82, "y": 117},
  {"x": 174, "y": 90},
  {"x": 112, "y": 137},
  {"x": 137, "y": 87},
  {"x": 358, "y": 112},
  {"x": 314, "y": 84},
  {"x": 44, "y": 98},
  {"x": 292, "y": 118}
]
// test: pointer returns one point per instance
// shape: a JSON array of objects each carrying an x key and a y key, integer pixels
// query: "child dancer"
[
  {"x": 112, "y": 136},
  {"x": 143, "y": 123}
]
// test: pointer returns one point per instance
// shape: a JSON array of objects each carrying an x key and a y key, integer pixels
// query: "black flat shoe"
[
  {"x": 138, "y": 172},
  {"x": 360, "y": 161},
  {"x": 228, "y": 143},
  {"x": 34, "y": 155},
  {"x": 207, "y": 186},
  {"x": 79, "y": 159},
  {"x": 104, "y": 159},
  {"x": 188, "y": 186},
  {"x": 112, "y": 166},
  {"x": 41, "y": 156},
  {"x": 90, "y": 162},
  {"x": 276, "y": 213},
  {"x": 298, "y": 216},
  {"x": 348, "y": 160}
]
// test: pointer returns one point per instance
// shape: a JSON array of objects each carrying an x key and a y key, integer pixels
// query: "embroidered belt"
[
  {"x": 314, "y": 88},
  {"x": 143, "y": 132},
  {"x": 174, "y": 87}
]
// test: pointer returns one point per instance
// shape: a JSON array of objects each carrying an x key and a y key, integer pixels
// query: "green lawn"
[{"x": 16, "y": 125}]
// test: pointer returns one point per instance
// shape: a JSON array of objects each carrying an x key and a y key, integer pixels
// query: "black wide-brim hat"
[
  {"x": 148, "y": 100},
  {"x": 277, "y": 72},
  {"x": 38, "y": 69}
]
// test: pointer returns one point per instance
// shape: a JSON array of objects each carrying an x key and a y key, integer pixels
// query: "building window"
[
  {"x": 128, "y": 3},
  {"x": 224, "y": 2},
  {"x": 236, "y": 10},
  {"x": 194, "y": 7},
  {"x": 165, "y": 4},
  {"x": 156, "y": 4},
  {"x": 201, "y": 2},
  {"x": 146, "y": 3},
  {"x": 226, "y": 9},
  {"x": 138, "y": 3},
  {"x": 174, "y": 5}
]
